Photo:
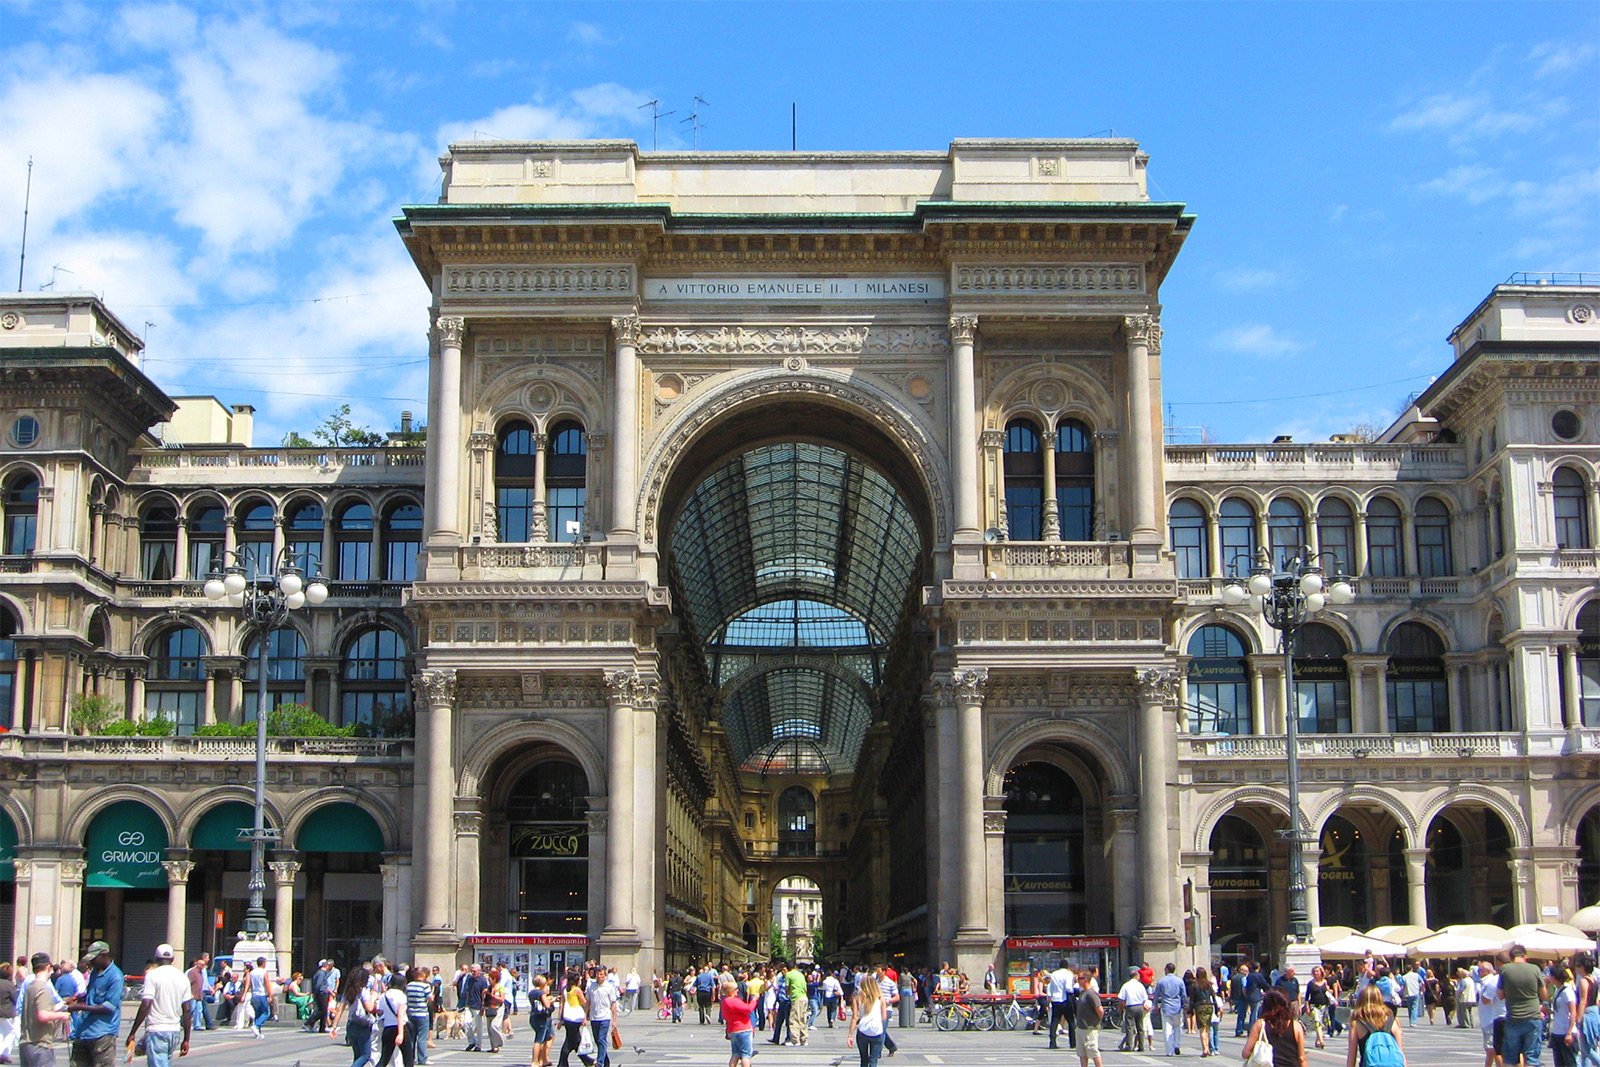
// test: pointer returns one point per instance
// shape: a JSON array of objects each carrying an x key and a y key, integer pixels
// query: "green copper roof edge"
[{"x": 925, "y": 208}]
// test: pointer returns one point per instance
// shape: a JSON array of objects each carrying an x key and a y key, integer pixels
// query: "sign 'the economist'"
[{"x": 769, "y": 288}]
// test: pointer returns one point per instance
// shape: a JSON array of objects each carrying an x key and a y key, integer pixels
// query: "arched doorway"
[
  {"x": 124, "y": 883},
  {"x": 340, "y": 889},
  {"x": 1046, "y": 867},
  {"x": 547, "y": 841},
  {"x": 1361, "y": 871},
  {"x": 797, "y": 919},
  {"x": 1589, "y": 858},
  {"x": 1468, "y": 868},
  {"x": 220, "y": 880},
  {"x": 1240, "y": 880}
]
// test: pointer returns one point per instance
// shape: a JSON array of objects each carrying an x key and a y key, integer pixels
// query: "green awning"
[
  {"x": 219, "y": 828},
  {"x": 124, "y": 848},
  {"x": 340, "y": 828},
  {"x": 8, "y": 849}
]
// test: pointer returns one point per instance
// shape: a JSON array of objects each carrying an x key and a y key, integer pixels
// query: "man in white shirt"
[
  {"x": 164, "y": 1011},
  {"x": 1411, "y": 995},
  {"x": 1491, "y": 1009},
  {"x": 631, "y": 988},
  {"x": 1059, "y": 988},
  {"x": 1135, "y": 1003},
  {"x": 602, "y": 1000}
]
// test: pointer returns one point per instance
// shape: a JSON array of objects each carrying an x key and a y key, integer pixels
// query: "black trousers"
[
  {"x": 781, "y": 1020},
  {"x": 1062, "y": 1010}
]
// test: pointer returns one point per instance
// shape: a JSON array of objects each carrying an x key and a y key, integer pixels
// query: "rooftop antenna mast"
[
  {"x": 694, "y": 119},
  {"x": 51, "y": 284},
  {"x": 26, "y": 197},
  {"x": 656, "y": 115}
]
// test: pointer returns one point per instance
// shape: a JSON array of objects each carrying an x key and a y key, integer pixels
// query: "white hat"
[{"x": 164, "y": 952}]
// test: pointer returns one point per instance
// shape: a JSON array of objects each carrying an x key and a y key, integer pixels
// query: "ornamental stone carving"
[
  {"x": 992, "y": 439},
  {"x": 596, "y": 821},
  {"x": 451, "y": 329},
  {"x": 962, "y": 687},
  {"x": 633, "y": 689},
  {"x": 178, "y": 871},
  {"x": 468, "y": 822},
  {"x": 72, "y": 871},
  {"x": 437, "y": 686},
  {"x": 793, "y": 340},
  {"x": 480, "y": 441},
  {"x": 1042, "y": 278},
  {"x": 283, "y": 872},
  {"x": 626, "y": 329},
  {"x": 1158, "y": 685},
  {"x": 1143, "y": 330},
  {"x": 963, "y": 329},
  {"x": 994, "y": 822},
  {"x": 537, "y": 282}
]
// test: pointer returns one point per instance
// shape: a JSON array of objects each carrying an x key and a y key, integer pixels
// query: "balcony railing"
[
  {"x": 223, "y": 749},
  {"x": 1407, "y": 461},
  {"x": 1352, "y": 746},
  {"x": 322, "y": 460},
  {"x": 1413, "y": 588},
  {"x": 556, "y": 554},
  {"x": 1577, "y": 559},
  {"x": 1060, "y": 559}
]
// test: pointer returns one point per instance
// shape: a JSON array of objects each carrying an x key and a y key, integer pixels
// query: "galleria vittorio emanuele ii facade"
[{"x": 798, "y": 518}]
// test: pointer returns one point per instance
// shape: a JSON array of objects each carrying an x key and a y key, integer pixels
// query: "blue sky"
[{"x": 1362, "y": 174}]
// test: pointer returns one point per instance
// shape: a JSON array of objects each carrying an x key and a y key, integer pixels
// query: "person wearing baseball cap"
[
  {"x": 97, "y": 1013},
  {"x": 164, "y": 1009}
]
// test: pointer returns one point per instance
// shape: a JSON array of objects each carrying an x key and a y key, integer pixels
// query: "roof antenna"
[
  {"x": 26, "y": 197},
  {"x": 794, "y": 136},
  {"x": 694, "y": 119},
  {"x": 51, "y": 284},
  {"x": 656, "y": 115}
]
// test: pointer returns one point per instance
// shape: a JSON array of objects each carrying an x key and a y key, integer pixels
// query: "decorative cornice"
[
  {"x": 564, "y": 282},
  {"x": 438, "y": 687},
  {"x": 451, "y": 329},
  {"x": 626, "y": 329},
  {"x": 963, "y": 329},
  {"x": 1028, "y": 279}
]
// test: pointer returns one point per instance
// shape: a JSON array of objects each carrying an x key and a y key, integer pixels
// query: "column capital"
[
  {"x": 963, "y": 329},
  {"x": 1143, "y": 330},
  {"x": 438, "y": 687},
  {"x": 626, "y": 329},
  {"x": 482, "y": 441},
  {"x": 961, "y": 686},
  {"x": 283, "y": 871},
  {"x": 633, "y": 689},
  {"x": 468, "y": 822},
  {"x": 992, "y": 438},
  {"x": 596, "y": 820},
  {"x": 178, "y": 871},
  {"x": 450, "y": 329},
  {"x": 1157, "y": 685}
]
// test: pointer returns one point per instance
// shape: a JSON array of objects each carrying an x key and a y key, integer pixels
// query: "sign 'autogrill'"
[{"x": 872, "y": 288}]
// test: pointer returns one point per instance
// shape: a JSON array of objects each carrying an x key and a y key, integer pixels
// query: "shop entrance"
[{"x": 124, "y": 884}]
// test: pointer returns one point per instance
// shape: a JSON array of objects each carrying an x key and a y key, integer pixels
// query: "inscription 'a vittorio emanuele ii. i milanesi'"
[{"x": 878, "y": 288}]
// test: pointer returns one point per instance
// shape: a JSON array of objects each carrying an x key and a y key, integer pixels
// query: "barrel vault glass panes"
[
  {"x": 402, "y": 536},
  {"x": 1343, "y": 876},
  {"x": 1321, "y": 681},
  {"x": 1383, "y": 538},
  {"x": 158, "y": 542},
  {"x": 1239, "y": 882},
  {"x": 1237, "y": 520},
  {"x": 256, "y": 521},
  {"x": 1572, "y": 509},
  {"x": 514, "y": 463},
  {"x": 175, "y": 686},
  {"x": 1189, "y": 543},
  {"x": 797, "y": 822},
  {"x": 1024, "y": 479},
  {"x": 1589, "y": 664},
  {"x": 8, "y": 667},
  {"x": 1336, "y": 537},
  {"x": 372, "y": 691},
  {"x": 1419, "y": 699},
  {"x": 208, "y": 526},
  {"x": 565, "y": 480},
  {"x": 1045, "y": 880},
  {"x": 547, "y": 834},
  {"x": 1075, "y": 480},
  {"x": 1218, "y": 683},
  {"x": 352, "y": 533},
  {"x": 21, "y": 513},
  {"x": 1432, "y": 524},
  {"x": 303, "y": 537},
  {"x": 1286, "y": 529},
  {"x": 286, "y": 670}
]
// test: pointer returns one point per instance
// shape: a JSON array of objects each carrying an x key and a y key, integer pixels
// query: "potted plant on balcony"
[{"x": 91, "y": 713}]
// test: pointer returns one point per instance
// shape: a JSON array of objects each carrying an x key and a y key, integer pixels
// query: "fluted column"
[
  {"x": 624, "y": 426},
  {"x": 1051, "y": 523},
  {"x": 444, "y": 433},
  {"x": 961, "y": 693},
  {"x": 283, "y": 875},
  {"x": 540, "y": 530},
  {"x": 1144, "y": 337},
  {"x": 623, "y": 691},
  {"x": 1157, "y": 689},
  {"x": 438, "y": 691},
  {"x": 1417, "y": 884},
  {"x": 964, "y": 424},
  {"x": 178, "y": 871}
]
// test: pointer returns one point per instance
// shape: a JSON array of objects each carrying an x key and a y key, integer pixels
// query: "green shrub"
[
  {"x": 225, "y": 729},
  {"x": 297, "y": 720},
  {"x": 91, "y": 713},
  {"x": 160, "y": 726},
  {"x": 119, "y": 728}
]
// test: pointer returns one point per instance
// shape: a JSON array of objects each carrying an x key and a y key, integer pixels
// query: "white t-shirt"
[
  {"x": 1413, "y": 982},
  {"x": 831, "y": 989},
  {"x": 632, "y": 984},
  {"x": 1490, "y": 1006},
  {"x": 392, "y": 1008},
  {"x": 871, "y": 1023},
  {"x": 166, "y": 988},
  {"x": 1061, "y": 983},
  {"x": 601, "y": 998},
  {"x": 1134, "y": 994}
]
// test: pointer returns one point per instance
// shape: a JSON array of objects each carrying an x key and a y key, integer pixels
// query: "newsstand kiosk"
[{"x": 1024, "y": 955}]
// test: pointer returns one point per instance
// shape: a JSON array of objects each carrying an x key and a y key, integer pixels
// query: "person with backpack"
[{"x": 1375, "y": 1039}]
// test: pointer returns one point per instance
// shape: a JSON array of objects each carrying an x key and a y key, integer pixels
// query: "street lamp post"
[
  {"x": 266, "y": 597},
  {"x": 1287, "y": 595}
]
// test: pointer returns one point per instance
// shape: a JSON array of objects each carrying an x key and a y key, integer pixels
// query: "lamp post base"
[
  {"x": 1302, "y": 956},
  {"x": 254, "y": 945}
]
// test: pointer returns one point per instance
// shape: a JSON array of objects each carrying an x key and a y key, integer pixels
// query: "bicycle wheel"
[
  {"x": 948, "y": 1017},
  {"x": 1008, "y": 1017},
  {"x": 983, "y": 1018}
]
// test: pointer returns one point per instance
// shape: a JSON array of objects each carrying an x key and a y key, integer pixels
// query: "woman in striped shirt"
[{"x": 418, "y": 992}]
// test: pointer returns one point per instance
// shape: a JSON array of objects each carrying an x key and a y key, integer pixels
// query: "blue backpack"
[{"x": 1380, "y": 1049}]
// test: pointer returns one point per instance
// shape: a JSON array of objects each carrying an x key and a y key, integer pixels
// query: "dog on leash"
[{"x": 449, "y": 1025}]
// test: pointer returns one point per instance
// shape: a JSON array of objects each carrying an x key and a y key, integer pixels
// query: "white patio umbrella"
[
  {"x": 1586, "y": 919},
  {"x": 1355, "y": 946},
  {"x": 1448, "y": 945},
  {"x": 1402, "y": 934},
  {"x": 1487, "y": 931},
  {"x": 1547, "y": 942},
  {"x": 1321, "y": 935}
]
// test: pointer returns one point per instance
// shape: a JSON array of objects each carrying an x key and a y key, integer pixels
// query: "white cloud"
[
  {"x": 586, "y": 33},
  {"x": 1250, "y": 279},
  {"x": 1467, "y": 118},
  {"x": 1558, "y": 57},
  {"x": 591, "y": 111},
  {"x": 138, "y": 274},
  {"x": 608, "y": 100},
  {"x": 158, "y": 25},
  {"x": 1257, "y": 339}
]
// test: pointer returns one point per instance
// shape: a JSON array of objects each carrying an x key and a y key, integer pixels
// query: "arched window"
[
  {"x": 1433, "y": 538},
  {"x": 22, "y": 514},
  {"x": 352, "y": 532},
  {"x": 797, "y": 822},
  {"x": 1218, "y": 683},
  {"x": 1024, "y": 479},
  {"x": 1046, "y": 876},
  {"x": 1286, "y": 530},
  {"x": 566, "y": 482},
  {"x": 1237, "y": 520},
  {"x": 402, "y": 536},
  {"x": 373, "y": 683},
  {"x": 256, "y": 522},
  {"x": 208, "y": 527},
  {"x": 303, "y": 537},
  {"x": 8, "y": 667},
  {"x": 1075, "y": 480},
  {"x": 158, "y": 542},
  {"x": 1589, "y": 664},
  {"x": 1239, "y": 878},
  {"x": 286, "y": 670},
  {"x": 1336, "y": 537},
  {"x": 1383, "y": 538},
  {"x": 515, "y": 462},
  {"x": 1572, "y": 509},
  {"x": 1190, "y": 545},
  {"x": 175, "y": 686},
  {"x": 1321, "y": 681},
  {"x": 547, "y": 835},
  {"x": 1419, "y": 698},
  {"x": 1344, "y": 876}
]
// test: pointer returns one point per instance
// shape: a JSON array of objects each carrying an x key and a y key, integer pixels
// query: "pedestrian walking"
[
  {"x": 867, "y": 1027},
  {"x": 357, "y": 1007}
]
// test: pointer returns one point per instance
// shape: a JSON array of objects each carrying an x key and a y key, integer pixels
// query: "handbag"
[
  {"x": 586, "y": 1045},
  {"x": 1261, "y": 1056},
  {"x": 616, "y": 1036}
]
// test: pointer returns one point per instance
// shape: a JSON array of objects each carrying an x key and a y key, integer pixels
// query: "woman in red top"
[{"x": 736, "y": 1020}]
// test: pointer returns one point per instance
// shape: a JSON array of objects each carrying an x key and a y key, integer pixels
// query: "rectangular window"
[
  {"x": 1418, "y": 707},
  {"x": 157, "y": 558},
  {"x": 182, "y": 706},
  {"x": 1588, "y": 687},
  {"x": 8, "y": 682},
  {"x": 1076, "y": 508},
  {"x": 1383, "y": 550},
  {"x": 307, "y": 555},
  {"x": 1324, "y": 707},
  {"x": 355, "y": 561},
  {"x": 566, "y": 505},
  {"x": 1433, "y": 551},
  {"x": 1189, "y": 546},
  {"x": 1024, "y": 512},
  {"x": 204, "y": 557},
  {"x": 514, "y": 515},
  {"x": 1219, "y": 707},
  {"x": 400, "y": 561},
  {"x": 21, "y": 531},
  {"x": 1334, "y": 544}
]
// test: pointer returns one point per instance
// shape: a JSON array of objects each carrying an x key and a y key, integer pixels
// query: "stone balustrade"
[
  {"x": 1353, "y": 746},
  {"x": 267, "y": 466},
  {"x": 221, "y": 749},
  {"x": 1324, "y": 461},
  {"x": 1059, "y": 559}
]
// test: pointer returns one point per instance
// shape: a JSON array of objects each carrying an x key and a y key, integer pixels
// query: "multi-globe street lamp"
[
  {"x": 266, "y": 596},
  {"x": 1287, "y": 592}
]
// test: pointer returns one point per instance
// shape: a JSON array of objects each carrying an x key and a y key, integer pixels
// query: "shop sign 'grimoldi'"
[{"x": 790, "y": 289}]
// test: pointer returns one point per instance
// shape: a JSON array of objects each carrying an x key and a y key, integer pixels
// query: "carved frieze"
[
  {"x": 1011, "y": 279},
  {"x": 438, "y": 687},
  {"x": 792, "y": 340},
  {"x": 547, "y": 283}
]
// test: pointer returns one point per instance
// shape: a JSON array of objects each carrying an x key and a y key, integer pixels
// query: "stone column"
[
  {"x": 1157, "y": 688},
  {"x": 283, "y": 875},
  {"x": 961, "y": 694},
  {"x": 1571, "y": 688},
  {"x": 964, "y": 424},
  {"x": 620, "y": 935},
  {"x": 392, "y": 935},
  {"x": 934, "y": 816},
  {"x": 1417, "y": 884},
  {"x": 1144, "y": 339},
  {"x": 541, "y": 522},
  {"x": 994, "y": 862},
  {"x": 178, "y": 871},
  {"x": 468, "y": 830},
  {"x": 1050, "y": 527},
  {"x": 444, "y": 435},
  {"x": 992, "y": 445},
  {"x": 1125, "y": 863},
  {"x": 624, "y": 427},
  {"x": 1360, "y": 546},
  {"x": 597, "y": 821},
  {"x": 434, "y": 832},
  {"x": 1218, "y": 568}
]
